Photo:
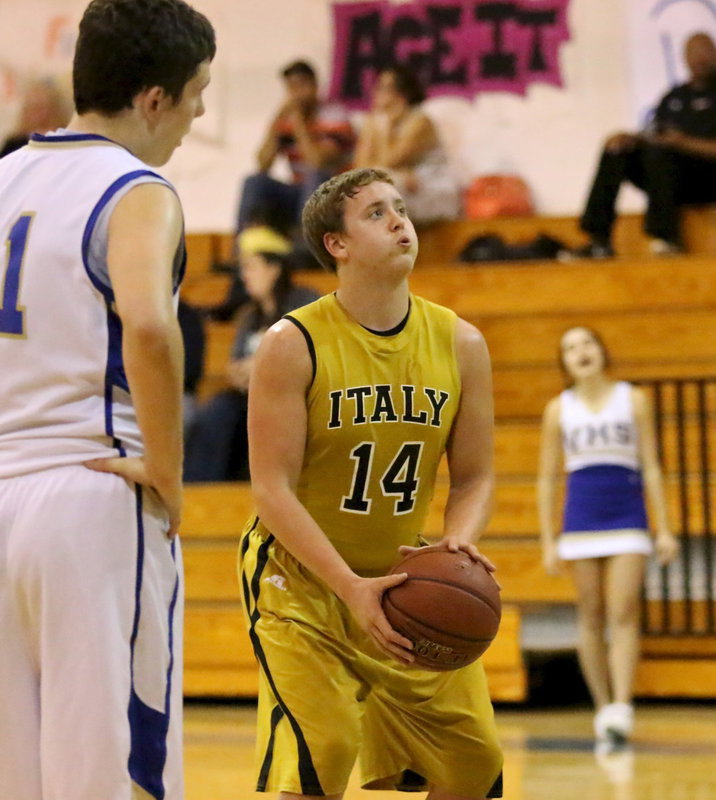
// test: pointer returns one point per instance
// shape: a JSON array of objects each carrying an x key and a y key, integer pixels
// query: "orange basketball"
[{"x": 449, "y": 607}]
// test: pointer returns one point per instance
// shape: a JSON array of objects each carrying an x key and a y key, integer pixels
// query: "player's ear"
[
  {"x": 334, "y": 244},
  {"x": 152, "y": 101}
]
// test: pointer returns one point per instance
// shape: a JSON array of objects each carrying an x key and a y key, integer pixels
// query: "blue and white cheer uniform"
[{"x": 604, "y": 512}]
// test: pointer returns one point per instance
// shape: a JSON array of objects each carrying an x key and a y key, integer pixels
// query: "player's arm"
[
  {"x": 666, "y": 543},
  {"x": 144, "y": 233},
  {"x": 470, "y": 447},
  {"x": 277, "y": 440},
  {"x": 547, "y": 476}
]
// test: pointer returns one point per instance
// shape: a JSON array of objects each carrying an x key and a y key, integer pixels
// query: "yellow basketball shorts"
[{"x": 329, "y": 697}]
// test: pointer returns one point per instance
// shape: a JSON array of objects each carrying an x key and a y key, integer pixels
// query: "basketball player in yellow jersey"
[{"x": 353, "y": 400}]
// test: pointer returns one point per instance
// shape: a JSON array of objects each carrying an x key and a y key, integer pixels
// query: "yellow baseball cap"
[{"x": 262, "y": 239}]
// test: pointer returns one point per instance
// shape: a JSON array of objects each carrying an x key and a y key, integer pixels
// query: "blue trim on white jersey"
[
  {"x": 41, "y": 138},
  {"x": 94, "y": 216},
  {"x": 140, "y": 569},
  {"x": 114, "y": 374},
  {"x": 182, "y": 265},
  {"x": 170, "y": 621}
]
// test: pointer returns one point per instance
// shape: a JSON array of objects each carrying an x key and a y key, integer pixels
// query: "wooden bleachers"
[
  {"x": 444, "y": 242},
  {"x": 656, "y": 313}
]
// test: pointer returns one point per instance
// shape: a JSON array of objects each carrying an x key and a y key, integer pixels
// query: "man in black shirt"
[{"x": 673, "y": 161}]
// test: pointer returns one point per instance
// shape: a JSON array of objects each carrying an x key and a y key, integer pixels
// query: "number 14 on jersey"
[{"x": 399, "y": 480}]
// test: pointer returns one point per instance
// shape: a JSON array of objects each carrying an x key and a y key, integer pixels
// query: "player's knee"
[
  {"x": 494, "y": 758},
  {"x": 338, "y": 742},
  {"x": 339, "y": 749},
  {"x": 490, "y": 768},
  {"x": 491, "y": 762}
]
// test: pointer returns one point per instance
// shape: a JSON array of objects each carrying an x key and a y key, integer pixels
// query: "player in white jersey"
[
  {"x": 90, "y": 420},
  {"x": 604, "y": 430}
]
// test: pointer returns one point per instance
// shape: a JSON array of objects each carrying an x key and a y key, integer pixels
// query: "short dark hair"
[
  {"x": 126, "y": 46},
  {"x": 323, "y": 212},
  {"x": 407, "y": 84},
  {"x": 606, "y": 356},
  {"x": 302, "y": 68}
]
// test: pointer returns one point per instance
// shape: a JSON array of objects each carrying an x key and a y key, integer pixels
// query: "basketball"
[{"x": 449, "y": 607}]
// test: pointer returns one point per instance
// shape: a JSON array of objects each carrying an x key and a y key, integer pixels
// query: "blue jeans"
[{"x": 217, "y": 447}]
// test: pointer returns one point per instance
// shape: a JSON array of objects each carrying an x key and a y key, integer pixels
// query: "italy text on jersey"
[{"x": 358, "y": 405}]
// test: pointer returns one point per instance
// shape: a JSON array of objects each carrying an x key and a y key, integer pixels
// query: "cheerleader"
[{"x": 604, "y": 430}]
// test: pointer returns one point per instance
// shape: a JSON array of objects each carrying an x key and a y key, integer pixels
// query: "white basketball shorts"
[{"x": 91, "y": 608}]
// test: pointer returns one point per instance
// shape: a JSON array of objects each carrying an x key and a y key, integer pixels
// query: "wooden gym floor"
[{"x": 549, "y": 755}]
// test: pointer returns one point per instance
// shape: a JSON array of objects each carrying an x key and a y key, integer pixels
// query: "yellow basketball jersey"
[{"x": 380, "y": 410}]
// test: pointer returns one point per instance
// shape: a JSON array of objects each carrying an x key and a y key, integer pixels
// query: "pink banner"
[{"x": 458, "y": 47}]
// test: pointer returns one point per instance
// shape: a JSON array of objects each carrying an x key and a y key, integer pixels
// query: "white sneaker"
[
  {"x": 621, "y": 721},
  {"x": 660, "y": 247},
  {"x": 600, "y": 724},
  {"x": 614, "y": 723}
]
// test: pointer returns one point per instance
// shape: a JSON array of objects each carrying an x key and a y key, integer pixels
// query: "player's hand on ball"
[
  {"x": 454, "y": 545},
  {"x": 135, "y": 470},
  {"x": 363, "y": 599},
  {"x": 449, "y": 606}
]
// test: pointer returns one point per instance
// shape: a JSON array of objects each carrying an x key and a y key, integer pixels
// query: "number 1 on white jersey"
[{"x": 12, "y": 315}]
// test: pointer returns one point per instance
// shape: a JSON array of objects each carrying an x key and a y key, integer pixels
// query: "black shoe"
[{"x": 591, "y": 250}]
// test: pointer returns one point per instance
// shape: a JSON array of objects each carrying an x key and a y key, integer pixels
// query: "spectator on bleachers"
[
  {"x": 399, "y": 136},
  {"x": 673, "y": 161},
  {"x": 258, "y": 238},
  {"x": 191, "y": 322},
  {"x": 603, "y": 431},
  {"x": 315, "y": 137},
  {"x": 45, "y": 107},
  {"x": 217, "y": 446}
]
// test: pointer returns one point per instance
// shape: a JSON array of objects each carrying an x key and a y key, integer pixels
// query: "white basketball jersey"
[
  {"x": 64, "y": 396},
  {"x": 608, "y": 436}
]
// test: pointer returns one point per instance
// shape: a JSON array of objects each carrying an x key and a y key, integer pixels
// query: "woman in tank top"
[
  {"x": 399, "y": 136},
  {"x": 602, "y": 431}
]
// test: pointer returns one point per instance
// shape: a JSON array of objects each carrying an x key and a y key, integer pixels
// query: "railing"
[{"x": 679, "y": 599}]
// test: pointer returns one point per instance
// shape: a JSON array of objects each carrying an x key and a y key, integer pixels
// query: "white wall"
[{"x": 551, "y": 136}]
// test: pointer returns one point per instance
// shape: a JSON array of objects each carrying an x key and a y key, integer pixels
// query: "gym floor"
[{"x": 549, "y": 755}]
